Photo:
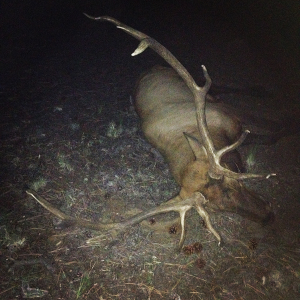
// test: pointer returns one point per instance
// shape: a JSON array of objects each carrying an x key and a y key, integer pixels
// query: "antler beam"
[{"x": 216, "y": 171}]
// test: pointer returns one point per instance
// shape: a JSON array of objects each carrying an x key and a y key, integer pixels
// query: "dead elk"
[{"x": 197, "y": 139}]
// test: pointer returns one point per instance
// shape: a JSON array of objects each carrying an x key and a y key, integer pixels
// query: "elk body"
[
  {"x": 167, "y": 110},
  {"x": 197, "y": 139}
]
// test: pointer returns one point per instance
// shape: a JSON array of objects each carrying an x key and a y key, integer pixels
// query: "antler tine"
[
  {"x": 216, "y": 171},
  {"x": 146, "y": 42},
  {"x": 197, "y": 200}
]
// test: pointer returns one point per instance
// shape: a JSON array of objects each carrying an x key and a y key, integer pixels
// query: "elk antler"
[
  {"x": 182, "y": 207},
  {"x": 216, "y": 171},
  {"x": 196, "y": 200}
]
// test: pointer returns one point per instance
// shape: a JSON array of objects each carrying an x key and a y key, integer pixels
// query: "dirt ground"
[{"x": 69, "y": 131}]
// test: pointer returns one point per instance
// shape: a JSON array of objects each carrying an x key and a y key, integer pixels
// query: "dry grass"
[
  {"x": 90, "y": 175},
  {"x": 68, "y": 131}
]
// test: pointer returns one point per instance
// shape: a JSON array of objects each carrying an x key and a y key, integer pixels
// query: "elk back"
[{"x": 167, "y": 111}]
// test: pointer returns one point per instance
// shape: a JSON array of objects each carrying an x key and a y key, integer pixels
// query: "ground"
[{"x": 69, "y": 131}]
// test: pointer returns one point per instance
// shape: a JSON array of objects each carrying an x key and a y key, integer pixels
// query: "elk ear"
[{"x": 195, "y": 145}]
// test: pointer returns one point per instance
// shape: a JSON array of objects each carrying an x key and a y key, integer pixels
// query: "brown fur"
[{"x": 167, "y": 111}]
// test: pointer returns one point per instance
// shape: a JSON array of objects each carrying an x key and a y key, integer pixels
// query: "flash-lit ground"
[{"x": 69, "y": 131}]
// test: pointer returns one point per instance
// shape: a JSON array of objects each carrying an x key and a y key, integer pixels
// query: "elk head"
[{"x": 197, "y": 139}]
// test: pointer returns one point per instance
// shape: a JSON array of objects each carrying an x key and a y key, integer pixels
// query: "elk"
[{"x": 197, "y": 139}]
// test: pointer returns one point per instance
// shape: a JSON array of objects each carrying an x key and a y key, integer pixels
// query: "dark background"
[
  {"x": 64, "y": 78},
  {"x": 272, "y": 26},
  {"x": 50, "y": 46}
]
